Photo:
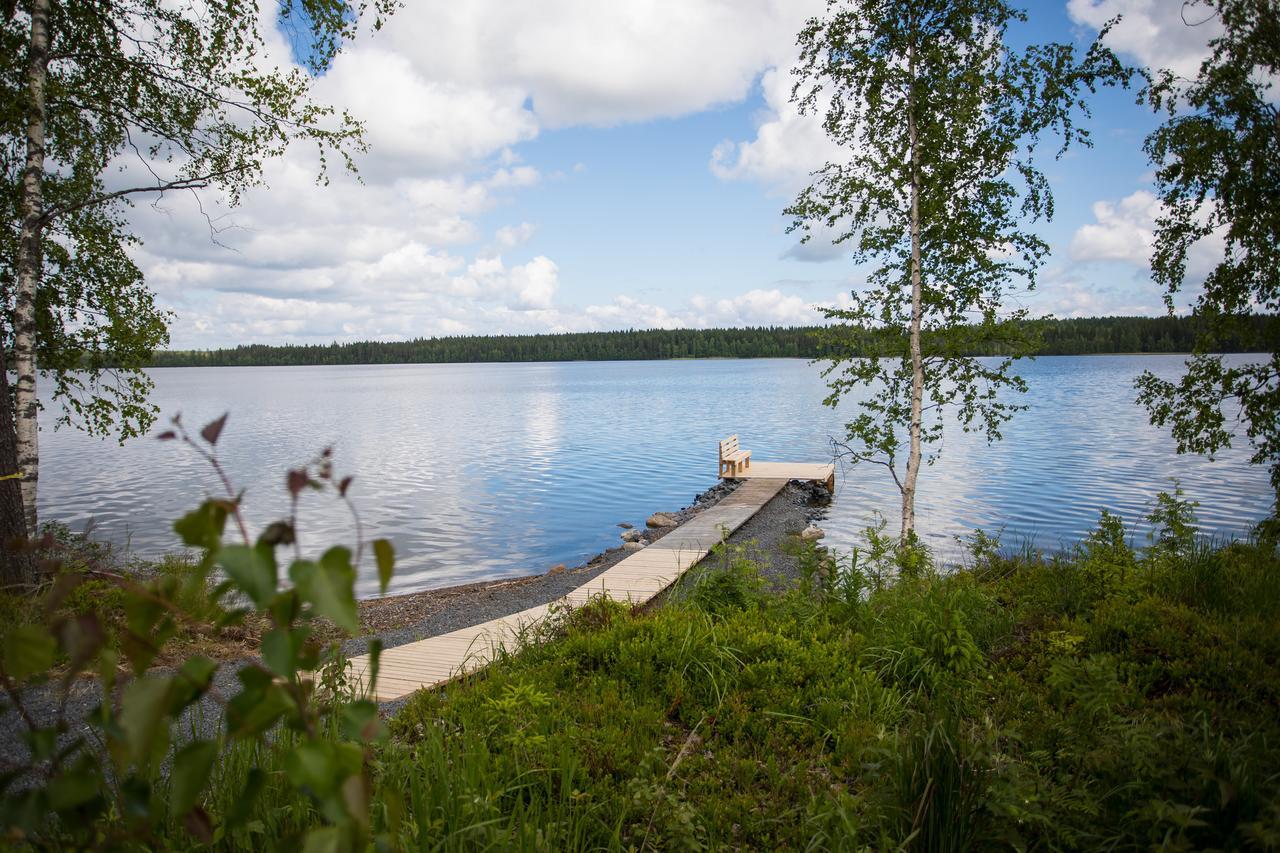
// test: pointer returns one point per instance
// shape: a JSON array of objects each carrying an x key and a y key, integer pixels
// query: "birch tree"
[
  {"x": 96, "y": 93},
  {"x": 1217, "y": 170},
  {"x": 940, "y": 118}
]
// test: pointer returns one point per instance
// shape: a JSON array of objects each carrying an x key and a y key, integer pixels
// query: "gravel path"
[{"x": 420, "y": 615}]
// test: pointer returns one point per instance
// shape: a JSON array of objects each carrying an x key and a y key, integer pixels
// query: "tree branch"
[{"x": 195, "y": 183}]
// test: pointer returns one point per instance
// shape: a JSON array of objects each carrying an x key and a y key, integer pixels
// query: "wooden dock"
[
  {"x": 636, "y": 579},
  {"x": 818, "y": 473}
]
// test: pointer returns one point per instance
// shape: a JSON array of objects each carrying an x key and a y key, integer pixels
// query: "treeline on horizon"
[{"x": 1080, "y": 336}]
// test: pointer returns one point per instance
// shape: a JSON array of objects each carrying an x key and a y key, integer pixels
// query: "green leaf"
[
  {"x": 76, "y": 785},
  {"x": 360, "y": 722},
  {"x": 29, "y": 649},
  {"x": 280, "y": 649},
  {"x": 328, "y": 839},
  {"x": 386, "y": 557},
  {"x": 202, "y": 527},
  {"x": 191, "y": 768},
  {"x": 143, "y": 718},
  {"x": 193, "y": 681},
  {"x": 242, "y": 809},
  {"x": 375, "y": 662},
  {"x": 257, "y": 707},
  {"x": 313, "y": 767},
  {"x": 330, "y": 586},
  {"x": 252, "y": 569}
]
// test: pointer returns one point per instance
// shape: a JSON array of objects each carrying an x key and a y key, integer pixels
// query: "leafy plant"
[{"x": 137, "y": 769}]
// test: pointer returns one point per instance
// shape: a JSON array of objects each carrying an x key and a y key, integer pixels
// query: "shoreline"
[
  {"x": 406, "y": 618},
  {"x": 681, "y": 358},
  {"x": 412, "y": 616}
]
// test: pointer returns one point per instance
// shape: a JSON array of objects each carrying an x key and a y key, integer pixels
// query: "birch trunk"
[
  {"x": 17, "y": 563},
  {"x": 917, "y": 367},
  {"x": 29, "y": 263}
]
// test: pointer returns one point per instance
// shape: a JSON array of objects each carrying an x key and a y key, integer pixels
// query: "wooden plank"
[{"x": 636, "y": 579}]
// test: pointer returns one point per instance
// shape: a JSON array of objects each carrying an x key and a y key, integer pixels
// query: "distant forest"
[{"x": 1088, "y": 336}]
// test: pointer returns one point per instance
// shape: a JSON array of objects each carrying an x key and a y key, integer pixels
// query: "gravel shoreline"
[{"x": 414, "y": 616}]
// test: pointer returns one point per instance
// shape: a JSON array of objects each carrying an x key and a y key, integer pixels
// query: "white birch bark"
[
  {"x": 917, "y": 366},
  {"x": 29, "y": 263}
]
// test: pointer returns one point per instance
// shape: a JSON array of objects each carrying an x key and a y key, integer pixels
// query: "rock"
[
  {"x": 632, "y": 546},
  {"x": 631, "y": 535},
  {"x": 662, "y": 519},
  {"x": 624, "y": 525},
  {"x": 812, "y": 532},
  {"x": 557, "y": 569},
  {"x": 814, "y": 494}
]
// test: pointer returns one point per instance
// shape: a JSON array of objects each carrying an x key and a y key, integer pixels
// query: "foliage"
[
  {"x": 939, "y": 711},
  {"x": 1216, "y": 168},
  {"x": 141, "y": 769},
  {"x": 939, "y": 115},
  {"x": 97, "y": 324},
  {"x": 106, "y": 102},
  {"x": 1020, "y": 701},
  {"x": 1057, "y": 337}
]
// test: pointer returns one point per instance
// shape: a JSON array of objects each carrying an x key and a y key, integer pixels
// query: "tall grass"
[{"x": 1103, "y": 698}]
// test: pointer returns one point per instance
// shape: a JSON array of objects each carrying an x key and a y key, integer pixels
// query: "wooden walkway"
[
  {"x": 637, "y": 579},
  {"x": 818, "y": 473}
]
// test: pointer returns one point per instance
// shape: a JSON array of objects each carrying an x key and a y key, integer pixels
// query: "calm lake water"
[{"x": 480, "y": 471}]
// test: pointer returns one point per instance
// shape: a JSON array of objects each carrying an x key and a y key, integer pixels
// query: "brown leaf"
[
  {"x": 344, "y": 485},
  {"x": 167, "y": 435},
  {"x": 296, "y": 481},
  {"x": 199, "y": 824},
  {"x": 213, "y": 429}
]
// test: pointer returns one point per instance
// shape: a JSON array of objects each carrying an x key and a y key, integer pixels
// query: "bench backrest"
[{"x": 729, "y": 445}]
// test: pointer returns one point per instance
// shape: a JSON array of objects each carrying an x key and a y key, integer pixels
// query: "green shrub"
[{"x": 139, "y": 774}]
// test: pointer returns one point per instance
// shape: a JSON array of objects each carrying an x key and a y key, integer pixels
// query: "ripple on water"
[{"x": 482, "y": 471}]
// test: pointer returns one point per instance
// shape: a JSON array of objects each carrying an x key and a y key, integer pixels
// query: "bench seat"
[{"x": 732, "y": 457}]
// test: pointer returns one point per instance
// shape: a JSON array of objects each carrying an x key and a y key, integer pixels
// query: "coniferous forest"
[{"x": 1083, "y": 336}]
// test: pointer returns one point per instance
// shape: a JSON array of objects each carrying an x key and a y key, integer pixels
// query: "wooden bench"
[{"x": 733, "y": 457}]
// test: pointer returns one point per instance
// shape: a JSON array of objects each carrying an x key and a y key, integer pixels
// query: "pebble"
[
  {"x": 632, "y": 546},
  {"x": 631, "y": 535},
  {"x": 624, "y": 525},
  {"x": 812, "y": 532}
]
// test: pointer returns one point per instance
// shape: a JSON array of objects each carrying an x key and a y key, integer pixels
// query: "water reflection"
[{"x": 479, "y": 471}]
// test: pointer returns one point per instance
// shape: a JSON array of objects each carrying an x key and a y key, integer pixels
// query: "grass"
[{"x": 1104, "y": 698}]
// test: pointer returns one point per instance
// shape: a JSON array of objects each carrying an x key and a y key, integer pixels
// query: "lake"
[{"x": 478, "y": 471}]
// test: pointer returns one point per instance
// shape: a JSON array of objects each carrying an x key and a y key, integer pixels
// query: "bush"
[{"x": 142, "y": 770}]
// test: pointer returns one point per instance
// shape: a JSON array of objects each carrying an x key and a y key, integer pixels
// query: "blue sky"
[{"x": 593, "y": 166}]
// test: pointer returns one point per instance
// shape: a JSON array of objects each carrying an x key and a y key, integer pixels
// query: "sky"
[{"x": 573, "y": 165}]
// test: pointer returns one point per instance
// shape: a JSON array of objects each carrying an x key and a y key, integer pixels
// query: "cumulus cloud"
[
  {"x": 448, "y": 94},
  {"x": 582, "y": 61},
  {"x": 1073, "y": 292},
  {"x": 510, "y": 236},
  {"x": 1169, "y": 34},
  {"x": 1124, "y": 231},
  {"x": 787, "y": 146}
]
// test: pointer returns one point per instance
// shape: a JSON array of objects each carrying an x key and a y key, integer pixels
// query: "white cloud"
[
  {"x": 448, "y": 94},
  {"x": 787, "y": 147},
  {"x": 1124, "y": 232},
  {"x": 1169, "y": 34},
  {"x": 510, "y": 236},
  {"x": 583, "y": 61},
  {"x": 419, "y": 124},
  {"x": 1070, "y": 292}
]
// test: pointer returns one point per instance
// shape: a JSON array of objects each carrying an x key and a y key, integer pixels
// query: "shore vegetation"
[{"x": 1106, "y": 696}]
